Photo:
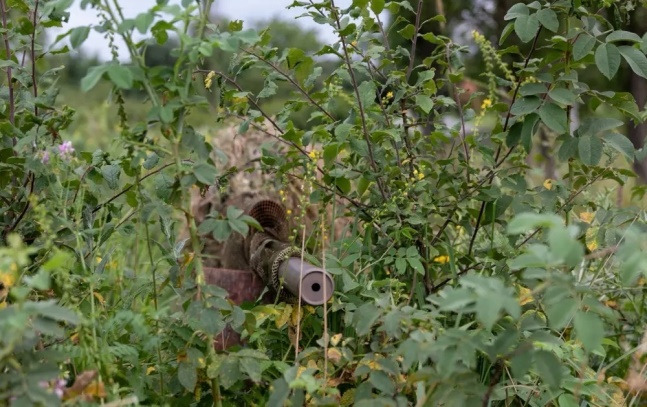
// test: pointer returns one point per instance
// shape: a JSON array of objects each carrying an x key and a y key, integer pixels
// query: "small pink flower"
[
  {"x": 45, "y": 157},
  {"x": 66, "y": 150}
]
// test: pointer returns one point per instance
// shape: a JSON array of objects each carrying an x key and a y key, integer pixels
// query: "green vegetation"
[{"x": 492, "y": 249}]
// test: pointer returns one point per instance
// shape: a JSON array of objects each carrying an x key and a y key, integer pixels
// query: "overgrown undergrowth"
[{"x": 464, "y": 274}]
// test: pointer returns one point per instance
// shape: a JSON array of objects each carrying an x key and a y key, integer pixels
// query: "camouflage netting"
[{"x": 248, "y": 185}]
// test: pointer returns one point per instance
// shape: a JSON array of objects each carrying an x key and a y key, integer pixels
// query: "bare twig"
[
  {"x": 123, "y": 191},
  {"x": 443, "y": 283},
  {"x": 601, "y": 253},
  {"x": 25, "y": 207},
  {"x": 385, "y": 39},
  {"x": 278, "y": 70},
  {"x": 414, "y": 41},
  {"x": 494, "y": 379}
]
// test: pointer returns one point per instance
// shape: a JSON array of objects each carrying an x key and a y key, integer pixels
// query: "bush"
[{"x": 464, "y": 277}]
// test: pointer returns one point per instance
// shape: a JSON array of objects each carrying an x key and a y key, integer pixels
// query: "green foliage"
[{"x": 463, "y": 277}]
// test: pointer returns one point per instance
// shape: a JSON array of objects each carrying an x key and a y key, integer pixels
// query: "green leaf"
[
  {"x": 528, "y": 221},
  {"x": 51, "y": 310},
  {"x": 583, "y": 45},
  {"x": 268, "y": 90},
  {"x": 159, "y": 31},
  {"x": 121, "y": 76},
  {"x": 207, "y": 226},
  {"x": 564, "y": 246},
  {"x": 560, "y": 312},
  {"x": 78, "y": 35},
  {"x": 528, "y": 130},
  {"x": 488, "y": 308},
  {"x": 367, "y": 92},
  {"x": 93, "y": 76},
  {"x": 636, "y": 60},
  {"x": 589, "y": 330},
  {"x": 187, "y": 375},
  {"x": 239, "y": 225},
  {"x": 549, "y": 368},
  {"x": 526, "y": 27},
  {"x": 111, "y": 174},
  {"x": 382, "y": 381},
  {"x": 554, "y": 117},
  {"x": 589, "y": 149},
  {"x": 205, "y": 173},
  {"x": 568, "y": 400},
  {"x": 151, "y": 161},
  {"x": 525, "y": 105},
  {"x": 234, "y": 212},
  {"x": 407, "y": 32},
  {"x": 364, "y": 318},
  {"x": 425, "y": 103},
  {"x": 591, "y": 126},
  {"x": 607, "y": 59},
  {"x": 531, "y": 89},
  {"x": 568, "y": 149},
  {"x": 562, "y": 95},
  {"x": 548, "y": 18},
  {"x": 143, "y": 21},
  {"x": 621, "y": 143},
  {"x": 221, "y": 230},
  {"x": 516, "y": 11},
  {"x": 416, "y": 265},
  {"x": 252, "y": 368},
  {"x": 39, "y": 281},
  {"x": 377, "y": 6},
  {"x": 621, "y": 35},
  {"x": 514, "y": 135}
]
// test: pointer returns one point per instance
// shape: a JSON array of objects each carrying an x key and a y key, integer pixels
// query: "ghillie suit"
[{"x": 248, "y": 185}]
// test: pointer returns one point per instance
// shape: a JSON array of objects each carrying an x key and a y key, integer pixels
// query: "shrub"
[{"x": 464, "y": 278}]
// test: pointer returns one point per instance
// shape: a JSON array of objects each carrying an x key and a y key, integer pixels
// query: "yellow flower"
[
  {"x": 525, "y": 296},
  {"x": 421, "y": 175},
  {"x": 441, "y": 259},
  {"x": 353, "y": 43},
  {"x": 7, "y": 279},
  {"x": 590, "y": 238},
  {"x": 98, "y": 260},
  {"x": 486, "y": 103},
  {"x": 99, "y": 297},
  {"x": 548, "y": 184},
  {"x": 587, "y": 217},
  {"x": 592, "y": 245},
  {"x": 389, "y": 95},
  {"x": 288, "y": 212},
  {"x": 149, "y": 370},
  {"x": 313, "y": 154},
  {"x": 209, "y": 79}
]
